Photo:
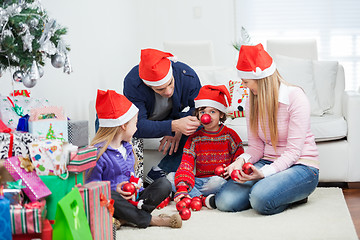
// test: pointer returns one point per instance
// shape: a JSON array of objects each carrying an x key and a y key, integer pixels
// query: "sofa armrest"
[
  {"x": 351, "y": 103},
  {"x": 351, "y": 112}
]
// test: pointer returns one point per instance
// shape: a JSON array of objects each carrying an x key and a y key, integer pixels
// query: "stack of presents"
[{"x": 43, "y": 161}]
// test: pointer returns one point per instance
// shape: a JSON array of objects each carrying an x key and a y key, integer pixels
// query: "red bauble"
[
  {"x": 161, "y": 205},
  {"x": 196, "y": 199},
  {"x": 247, "y": 168},
  {"x": 219, "y": 170},
  {"x": 129, "y": 187},
  {"x": 180, "y": 205},
  {"x": 167, "y": 201},
  {"x": 196, "y": 205},
  {"x": 205, "y": 119},
  {"x": 187, "y": 201},
  {"x": 234, "y": 174},
  {"x": 185, "y": 213}
]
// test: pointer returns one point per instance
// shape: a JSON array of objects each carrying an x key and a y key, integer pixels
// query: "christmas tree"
[{"x": 27, "y": 37}]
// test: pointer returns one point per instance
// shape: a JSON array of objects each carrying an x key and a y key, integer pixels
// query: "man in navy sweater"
[{"x": 163, "y": 90}]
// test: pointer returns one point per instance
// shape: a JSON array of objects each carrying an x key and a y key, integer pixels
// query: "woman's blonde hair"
[{"x": 264, "y": 106}]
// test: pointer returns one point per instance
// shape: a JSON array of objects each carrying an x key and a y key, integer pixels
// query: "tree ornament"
[
  {"x": 185, "y": 213},
  {"x": 247, "y": 168},
  {"x": 29, "y": 83},
  {"x": 18, "y": 76},
  {"x": 219, "y": 170},
  {"x": 34, "y": 71},
  {"x": 41, "y": 71},
  {"x": 34, "y": 22},
  {"x": 57, "y": 60},
  {"x": 67, "y": 65}
]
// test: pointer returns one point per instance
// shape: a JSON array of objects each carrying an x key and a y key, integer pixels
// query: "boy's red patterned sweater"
[{"x": 205, "y": 151}]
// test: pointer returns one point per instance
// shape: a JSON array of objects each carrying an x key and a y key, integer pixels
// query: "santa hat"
[
  {"x": 113, "y": 109},
  {"x": 136, "y": 181},
  {"x": 213, "y": 96},
  {"x": 254, "y": 62},
  {"x": 155, "y": 67}
]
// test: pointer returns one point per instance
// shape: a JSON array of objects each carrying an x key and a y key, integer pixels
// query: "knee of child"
[{"x": 261, "y": 204}]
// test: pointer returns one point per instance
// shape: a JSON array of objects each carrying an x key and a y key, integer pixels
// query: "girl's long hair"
[{"x": 264, "y": 106}]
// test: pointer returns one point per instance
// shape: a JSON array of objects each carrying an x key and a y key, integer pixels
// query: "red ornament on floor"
[
  {"x": 180, "y": 205},
  {"x": 205, "y": 119},
  {"x": 196, "y": 199},
  {"x": 187, "y": 201},
  {"x": 185, "y": 213},
  {"x": 129, "y": 187},
  {"x": 247, "y": 168},
  {"x": 196, "y": 205},
  {"x": 219, "y": 170}
]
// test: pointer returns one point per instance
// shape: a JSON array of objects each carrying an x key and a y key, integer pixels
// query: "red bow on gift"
[
  {"x": 108, "y": 203},
  {"x": 34, "y": 205}
]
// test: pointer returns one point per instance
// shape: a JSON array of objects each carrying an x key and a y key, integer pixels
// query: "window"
[{"x": 335, "y": 24}]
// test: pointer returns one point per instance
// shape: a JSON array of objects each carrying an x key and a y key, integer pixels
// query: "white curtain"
[{"x": 334, "y": 23}]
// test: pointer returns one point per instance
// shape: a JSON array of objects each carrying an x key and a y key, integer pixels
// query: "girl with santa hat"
[{"x": 116, "y": 160}]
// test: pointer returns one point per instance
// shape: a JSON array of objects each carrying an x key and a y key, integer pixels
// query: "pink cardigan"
[{"x": 296, "y": 144}]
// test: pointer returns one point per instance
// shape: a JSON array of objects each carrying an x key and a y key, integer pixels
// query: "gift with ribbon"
[
  {"x": 12, "y": 108},
  {"x": 5, "y": 229},
  {"x": 70, "y": 220},
  {"x": 35, "y": 188},
  {"x": 13, "y": 192},
  {"x": 99, "y": 208},
  {"x": 48, "y": 123},
  {"x": 83, "y": 159},
  {"x": 27, "y": 218}
]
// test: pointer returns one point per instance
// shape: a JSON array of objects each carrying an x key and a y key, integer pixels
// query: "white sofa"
[{"x": 335, "y": 119}]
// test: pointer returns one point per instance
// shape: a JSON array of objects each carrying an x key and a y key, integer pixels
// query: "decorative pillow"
[
  {"x": 325, "y": 73},
  {"x": 299, "y": 72},
  {"x": 239, "y": 96}
]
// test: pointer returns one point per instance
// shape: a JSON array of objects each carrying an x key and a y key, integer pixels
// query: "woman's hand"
[
  {"x": 239, "y": 162},
  {"x": 125, "y": 195},
  {"x": 255, "y": 175}
]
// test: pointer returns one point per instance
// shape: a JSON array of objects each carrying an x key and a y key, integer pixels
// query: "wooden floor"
[{"x": 352, "y": 198}]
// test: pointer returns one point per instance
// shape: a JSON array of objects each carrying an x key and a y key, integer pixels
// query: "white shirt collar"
[{"x": 284, "y": 94}]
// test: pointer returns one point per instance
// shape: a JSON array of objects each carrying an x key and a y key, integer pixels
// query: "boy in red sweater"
[{"x": 211, "y": 146}]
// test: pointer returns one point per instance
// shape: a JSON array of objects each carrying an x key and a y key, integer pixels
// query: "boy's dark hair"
[{"x": 197, "y": 114}]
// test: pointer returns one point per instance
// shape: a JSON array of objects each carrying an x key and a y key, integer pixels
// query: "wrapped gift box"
[
  {"x": 48, "y": 123},
  {"x": 35, "y": 188},
  {"x": 5, "y": 175},
  {"x": 98, "y": 207},
  {"x": 59, "y": 186},
  {"x": 47, "y": 157},
  {"x": 19, "y": 147},
  {"x": 5, "y": 229},
  {"x": 83, "y": 159},
  {"x": 7, "y": 113},
  {"x": 78, "y": 133},
  {"x": 14, "y": 196},
  {"x": 27, "y": 218},
  {"x": 46, "y": 233}
]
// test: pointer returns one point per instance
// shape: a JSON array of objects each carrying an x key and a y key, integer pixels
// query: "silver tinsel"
[{"x": 67, "y": 66}]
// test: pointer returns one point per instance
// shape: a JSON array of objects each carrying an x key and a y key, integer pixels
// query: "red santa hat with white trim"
[
  {"x": 254, "y": 62},
  {"x": 155, "y": 67},
  {"x": 213, "y": 96},
  {"x": 113, "y": 109}
]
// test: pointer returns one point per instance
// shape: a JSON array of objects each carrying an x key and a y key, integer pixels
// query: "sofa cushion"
[
  {"x": 300, "y": 72},
  {"x": 325, "y": 73}
]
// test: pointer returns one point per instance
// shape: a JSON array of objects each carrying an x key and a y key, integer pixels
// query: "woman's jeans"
[
  {"x": 269, "y": 195},
  {"x": 203, "y": 186}
]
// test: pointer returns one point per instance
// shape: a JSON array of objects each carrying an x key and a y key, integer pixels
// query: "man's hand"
[
  {"x": 170, "y": 142},
  {"x": 187, "y": 125}
]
